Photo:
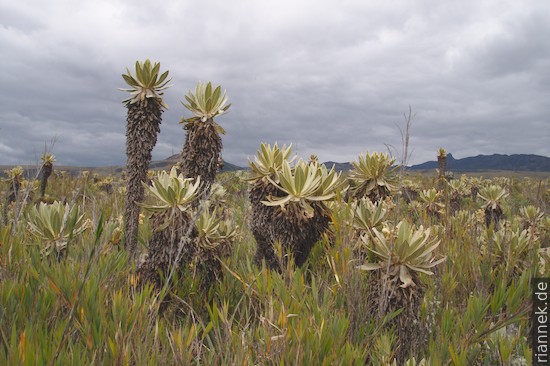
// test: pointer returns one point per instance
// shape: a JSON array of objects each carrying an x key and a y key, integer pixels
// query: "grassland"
[{"x": 86, "y": 307}]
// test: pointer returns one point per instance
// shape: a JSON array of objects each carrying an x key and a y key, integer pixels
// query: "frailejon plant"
[
  {"x": 301, "y": 213},
  {"x": 217, "y": 197},
  {"x": 47, "y": 168},
  {"x": 400, "y": 255},
  {"x": 314, "y": 317},
  {"x": 441, "y": 166},
  {"x": 532, "y": 218},
  {"x": 171, "y": 222},
  {"x": 54, "y": 225},
  {"x": 492, "y": 197},
  {"x": 201, "y": 154},
  {"x": 368, "y": 216},
  {"x": 105, "y": 184},
  {"x": 215, "y": 236},
  {"x": 15, "y": 179},
  {"x": 430, "y": 199},
  {"x": 145, "y": 106},
  {"x": 473, "y": 184},
  {"x": 303, "y": 185},
  {"x": 511, "y": 251},
  {"x": 183, "y": 234},
  {"x": 457, "y": 190},
  {"x": 295, "y": 213},
  {"x": 365, "y": 216},
  {"x": 114, "y": 229},
  {"x": 269, "y": 162},
  {"x": 266, "y": 165},
  {"x": 409, "y": 190},
  {"x": 373, "y": 176}
]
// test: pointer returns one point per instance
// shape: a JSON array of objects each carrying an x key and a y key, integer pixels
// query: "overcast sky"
[{"x": 333, "y": 77}]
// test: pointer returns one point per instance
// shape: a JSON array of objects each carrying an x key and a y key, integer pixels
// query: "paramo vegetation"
[{"x": 289, "y": 262}]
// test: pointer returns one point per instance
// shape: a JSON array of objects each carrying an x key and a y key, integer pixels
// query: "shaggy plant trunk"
[
  {"x": 296, "y": 233},
  {"x": 201, "y": 153},
  {"x": 493, "y": 216},
  {"x": 410, "y": 336},
  {"x": 201, "y": 156},
  {"x": 144, "y": 121},
  {"x": 379, "y": 194},
  {"x": 433, "y": 212},
  {"x": 13, "y": 192},
  {"x": 454, "y": 204},
  {"x": 107, "y": 188},
  {"x": 15, "y": 185},
  {"x": 262, "y": 222},
  {"x": 474, "y": 192},
  {"x": 46, "y": 173},
  {"x": 376, "y": 194},
  {"x": 409, "y": 194},
  {"x": 442, "y": 167},
  {"x": 208, "y": 266},
  {"x": 164, "y": 244}
]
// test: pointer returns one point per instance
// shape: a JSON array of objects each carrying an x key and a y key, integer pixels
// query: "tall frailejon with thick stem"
[
  {"x": 441, "y": 166},
  {"x": 47, "y": 168},
  {"x": 201, "y": 153},
  {"x": 145, "y": 107}
]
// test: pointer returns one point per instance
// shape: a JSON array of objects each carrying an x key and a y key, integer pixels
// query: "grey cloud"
[{"x": 334, "y": 80}]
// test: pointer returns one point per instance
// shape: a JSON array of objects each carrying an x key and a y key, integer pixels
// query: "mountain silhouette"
[{"x": 515, "y": 162}]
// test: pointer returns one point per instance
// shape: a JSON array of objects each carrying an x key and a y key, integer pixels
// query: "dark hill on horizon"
[
  {"x": 515, "y": 162},
  {"x": 480, "y": 163},
  {"x": 171, "y": 160}
]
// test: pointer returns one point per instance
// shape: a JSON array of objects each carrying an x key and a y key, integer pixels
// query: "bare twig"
[{"x": 405, "y": 134}]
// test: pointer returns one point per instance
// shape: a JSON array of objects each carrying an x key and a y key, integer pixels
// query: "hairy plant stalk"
[
  {"x": 46, "y": 172},
  {"x": 201, "y": 152},
  {"x": 144, "y": 121},
  {"x": 145, "y": 107}
]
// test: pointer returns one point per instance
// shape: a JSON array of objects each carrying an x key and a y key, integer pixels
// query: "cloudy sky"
[{"x": 333, "y": 77}]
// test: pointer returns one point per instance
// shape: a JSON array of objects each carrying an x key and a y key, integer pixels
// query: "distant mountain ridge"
[
  {"x": 515, "y": 162},
  {"x": 172, "y": 160},
  {"x": 165, "y": 164},
  {"x": 344, "y": 167}
]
